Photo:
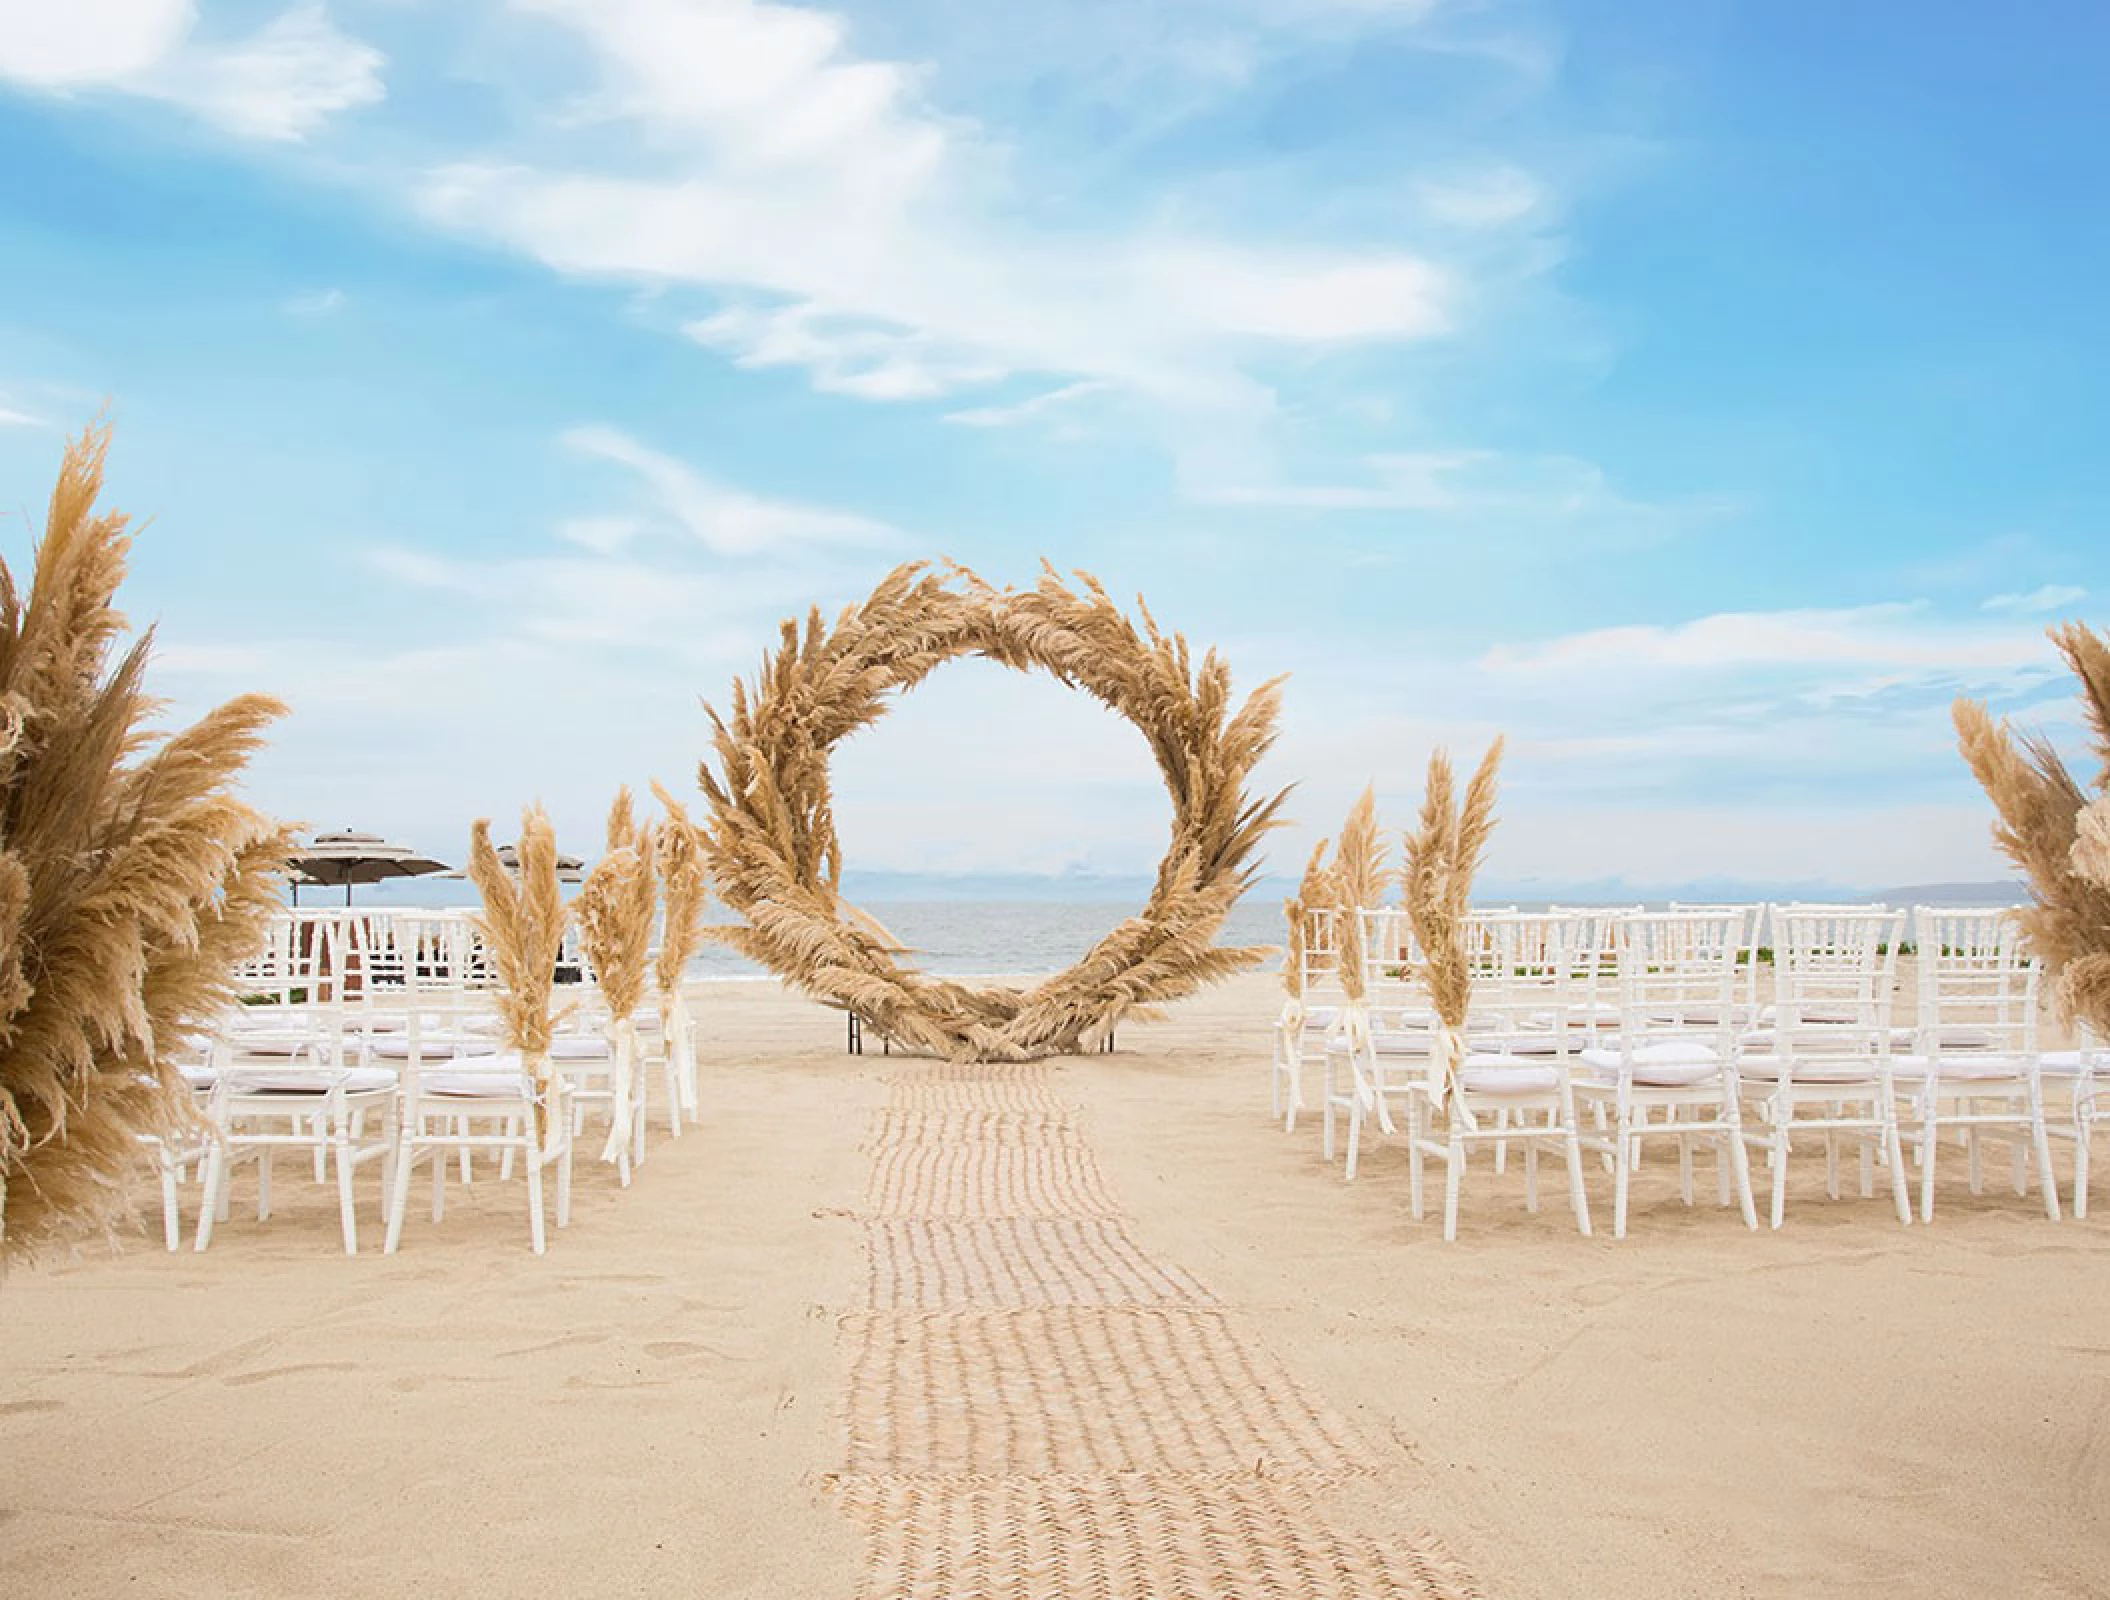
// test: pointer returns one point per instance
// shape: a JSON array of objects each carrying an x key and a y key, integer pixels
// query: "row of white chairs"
[
  {"x": 1652, "y": 1023},
  {"x": 376, "y": 1039}
]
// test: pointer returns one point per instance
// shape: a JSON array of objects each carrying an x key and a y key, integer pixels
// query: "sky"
[{"x": 1699, "y": 394}]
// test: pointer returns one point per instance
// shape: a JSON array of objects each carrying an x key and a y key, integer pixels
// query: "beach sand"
[{"x": 662, "y": 1404}]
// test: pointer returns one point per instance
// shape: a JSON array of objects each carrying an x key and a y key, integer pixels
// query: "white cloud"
[
  {"x": 10, "y": 417},
  {"x": 1573, "y": 496},
  {"x": 604, "y": 536},
  {"x": 1489, "y": 199},
  {"x": 1037, "y": 409},
  {"x": 1896, "y": 635},
  {"x": 83, "y": 43},
  {"x": 2051, "y": 597},
  {"x": 844, "y": 355},
  {"x": 756, "y": 153},
  {"x": 314, "y": 303},
  {"x": 281, "y": 82},
  {"x": 726, "y": 520}
]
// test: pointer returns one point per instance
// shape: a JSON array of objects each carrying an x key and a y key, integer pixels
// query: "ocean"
[{"x": 1008, "y": 938}]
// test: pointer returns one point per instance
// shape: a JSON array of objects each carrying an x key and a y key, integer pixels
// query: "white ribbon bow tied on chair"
[
  {"x": 1352, "y": 1028},
  {"x": 1446, "y": 1058},
  {"x": 1289, "y": 1030},
  {"x": 681, "y": 1049},
  {"x": 623, "y": 1042}
]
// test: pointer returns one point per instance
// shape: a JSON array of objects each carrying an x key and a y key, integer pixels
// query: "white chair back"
[
  {"x": 1678, "y": 976},
  {"x": 1978, "y": 985},
  {"x": 1834, "y": 970}
]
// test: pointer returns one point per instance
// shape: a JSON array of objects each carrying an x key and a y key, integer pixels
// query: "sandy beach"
[{"x": 687, "y": 1395}]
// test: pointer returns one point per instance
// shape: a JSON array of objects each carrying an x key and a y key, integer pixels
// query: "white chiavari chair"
[
  {"x": 1974, "y": 1066},
  {"x": 1675, "y": 1052}
]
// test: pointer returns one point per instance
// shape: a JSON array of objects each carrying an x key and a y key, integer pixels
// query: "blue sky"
[{"x": 1700, "y": 394}]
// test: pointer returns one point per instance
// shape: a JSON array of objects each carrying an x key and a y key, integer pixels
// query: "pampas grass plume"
[{"x": 132, "y": 880}]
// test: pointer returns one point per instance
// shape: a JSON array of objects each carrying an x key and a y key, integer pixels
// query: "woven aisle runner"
[{"x": 1040, "y": 1409}]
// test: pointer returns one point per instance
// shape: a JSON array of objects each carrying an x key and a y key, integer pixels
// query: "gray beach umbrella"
[
  {"x": 349, "y": 858},
  {"x": 570, "y": 869}
]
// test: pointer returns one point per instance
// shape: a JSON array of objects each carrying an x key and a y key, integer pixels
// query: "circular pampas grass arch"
[{"x": 778, "y": 862}]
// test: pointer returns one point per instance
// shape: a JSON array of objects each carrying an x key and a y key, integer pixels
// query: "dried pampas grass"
[
  {"x": 1443, "y": 854},
  {"x": 523, "y": 926},
  {"x": 2054, "y": 832},
  {"x": 1359, "y": 861},
  {"x": 131, "y": 881},
  {"x": 615, "y": 908},
  {"x": 678, "y": 849},
  {"x": 777, "y": 860}
]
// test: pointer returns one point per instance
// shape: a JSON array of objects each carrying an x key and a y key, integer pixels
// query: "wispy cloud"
[
  {"x": 279, "y": 83},
  {"x": 726, "y": 520},
  {"x": 1899, "y": 635},
  {"x": 843, "y": 355},
  {"x": 875, "y": 241},
  {"x": 2037, "y": 602},
  {"x": 1492, "y": 198},
  {"x": 1574, "y": 496},
  {"x": 314, "y": 303},
  {"x": 1040, "y": 408}
]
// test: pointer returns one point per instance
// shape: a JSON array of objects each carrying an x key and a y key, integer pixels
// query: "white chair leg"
[
  {"x": 212, "y": 1187},
  {"x": 1416, "y": 1161},
  {"x": 171, "y": 1215},
  {"x": 1454, "y": 1176},
  {"x": 1894, "y": 1148},
  {"x": 399, "y": 1190},
  {"x": 1578, "y": 1196},
  {"x": 2080, "y": 1165},
  {"x": 1622, "y": 1173},
  {"x": 346, "y": 1211},
  {"x": 564, "y": 1186},
  {"x": 1327, "y": 1121},
  {"x": 1779, "y": 1158},
  {"x": 534, "y": 1188},
  {"x": 2040, "y": 1142}
]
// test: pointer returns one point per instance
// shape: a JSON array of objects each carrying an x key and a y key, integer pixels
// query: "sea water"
[{"x": 1010, "y": 938}]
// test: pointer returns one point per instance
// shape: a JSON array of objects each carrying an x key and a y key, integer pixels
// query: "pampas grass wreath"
[{"x": 777, "y": 861}]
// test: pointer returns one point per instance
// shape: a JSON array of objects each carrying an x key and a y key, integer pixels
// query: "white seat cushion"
[
  {"x": 1497, "y": 1075},
  {"x": 1666, "y": 1064},
  {"x": 438, "y": 1048},
  {"x": 1973, "y": 1068},
  {"x": 1515, "y": 1044},
  {"x": 1758, "y": 1071},
  {"x": 315, "y": 1081},
  {"x": 578, "y": 1049},
  {"x": 469, "y": 1083},
  {"x": 270, "y": 1044}
]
